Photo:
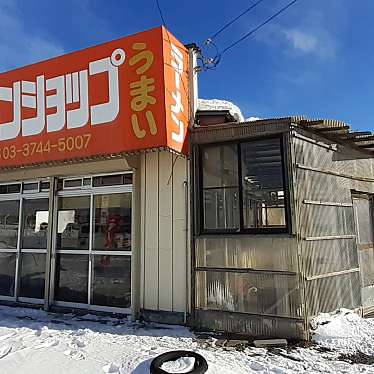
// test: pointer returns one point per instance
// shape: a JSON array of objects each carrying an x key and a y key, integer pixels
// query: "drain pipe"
[{"x": 185, "y": 184}]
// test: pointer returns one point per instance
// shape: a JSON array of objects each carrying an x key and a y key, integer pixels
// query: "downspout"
[
  {"x": 193, "y": 101},
  {"x": 185, "y": 184}
]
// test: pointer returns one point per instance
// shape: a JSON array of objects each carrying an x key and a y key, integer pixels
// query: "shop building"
[
  {"x": 283, "y": 224},
  {"x": 117, "y": 196},
  {"x": 94, "y": 181}
]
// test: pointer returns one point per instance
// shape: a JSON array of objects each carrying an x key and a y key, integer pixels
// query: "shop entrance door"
[
  {"x": 92, "y": 261},
  {"x": 24, "y": 221}
]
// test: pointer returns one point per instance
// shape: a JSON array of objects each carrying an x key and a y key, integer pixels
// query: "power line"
[
  {"x": 167, "y": 34},
  {"x": 160, "y": 11},
  {"x": 234, "y": 20},
  {"x": 258, "y": 27}
]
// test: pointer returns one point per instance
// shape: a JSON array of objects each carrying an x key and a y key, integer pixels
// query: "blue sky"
[{"x": 316, "y": 59}]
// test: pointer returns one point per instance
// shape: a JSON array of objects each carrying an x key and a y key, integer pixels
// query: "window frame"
[{"x": 241, "y": 230}]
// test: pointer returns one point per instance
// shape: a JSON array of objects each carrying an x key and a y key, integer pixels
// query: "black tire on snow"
[{"x": 200, "y": 367}]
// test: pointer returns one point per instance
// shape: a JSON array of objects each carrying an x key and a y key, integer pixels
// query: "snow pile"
[
  {"x": 251, "y": 119},
  {"x": 216, "y": 104},
  {"x": 35, "y": 342},
  {"x": 345, "y": 331},
  {"x": 182, "y": 365}
]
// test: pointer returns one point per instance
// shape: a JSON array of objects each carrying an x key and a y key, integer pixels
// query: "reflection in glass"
[
  {"x": 32, "y": 275},
  {"x": 71, "y": 279},
  {"x": 221, "y": 208},
  {"x": 112, "y": 222},
  {"x": 220, "y": 166},
  {"x": 112, "y": 281},
  {"x": 73, "y": 222},
  {"x": 263, "y": 187},
  {"x": 9, "y": 213},
  {"x": 35, "y": 224},
  {"x": 7, "y": 273}
]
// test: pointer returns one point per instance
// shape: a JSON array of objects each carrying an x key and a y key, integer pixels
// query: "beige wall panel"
[
  {"x": 165, "y": 232},
  {"x": 84, "y": 168},
  {"x": 142, "y": 226},
  {"x": 151, "y": 232},
  {"x": 179, "y": 234}
]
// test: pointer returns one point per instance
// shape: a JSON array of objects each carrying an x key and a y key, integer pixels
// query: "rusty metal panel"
[{"x": 252, "y": 325}]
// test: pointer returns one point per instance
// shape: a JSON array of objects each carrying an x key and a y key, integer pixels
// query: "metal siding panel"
[
  {"x": 322, "y": 257},
  {"x": 255, "y": 252},
  {"x": 151, "y": 286},
  {"x": 165, "y": 271},
  {"x": 179, "y": 234}
]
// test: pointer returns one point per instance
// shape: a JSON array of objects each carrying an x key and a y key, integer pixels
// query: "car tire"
[{"x": 200, "y": 367}]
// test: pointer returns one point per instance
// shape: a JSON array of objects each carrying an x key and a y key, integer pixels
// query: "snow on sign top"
[{"x": 125, "y": 95}]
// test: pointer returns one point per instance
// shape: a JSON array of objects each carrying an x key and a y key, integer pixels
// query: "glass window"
[
  {"x": 10, "y": 188},
  {"x": 220, "y": 187},
  {"x": 257, "y": 201},
  {"x": 112, "y": 281},
  {"x": 35, "y": 224},
  {"x": 32, "y": 275},
  {"x": 112, "y": 180},
  {"x": 262, "y": 181},
  {"x": 30, "y": 187},
  {"x": 72, "y": 183},
  {"x": 112, "y": 219},
  {"x": 71, "y": 280},
  {"x": 7, "y": 273},
  {"x": 9, "y": 217},
  {"x": 73, "y": 222}
]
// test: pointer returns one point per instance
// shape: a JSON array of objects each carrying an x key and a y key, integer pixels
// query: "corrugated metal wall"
[
  {"x": 253, "y": 276},
  {"x": 324, "y": 177},
  {"x": 163, "y": 234}
]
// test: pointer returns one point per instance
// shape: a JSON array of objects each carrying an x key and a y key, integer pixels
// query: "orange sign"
[{"x": 126, "y": 95}]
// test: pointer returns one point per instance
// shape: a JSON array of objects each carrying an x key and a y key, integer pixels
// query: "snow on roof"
[{"x": 216, "y": 104}]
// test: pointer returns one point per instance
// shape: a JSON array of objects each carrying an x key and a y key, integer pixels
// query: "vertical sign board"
[{"x": 126, "y": 95}]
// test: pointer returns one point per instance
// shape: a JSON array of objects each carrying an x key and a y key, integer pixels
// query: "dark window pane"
[
  {"x": 32, "y": 275},
  {"x": 35, "y": 223},
  {"x": 263, "y": 185},
  {"x": 112, "y": 180},
  {"x": 44, "y": 186},
  {"x": 112, "y": 222},
  {"x": 9, "y": 211},
  {"x": 27, "y": 187},
  {"x": 220, "y": 166},
  {"x": 70, "y": 183},
  {"x": 71, "y": 280},
  {"x": 7, "y": 273},
  {"x": 112, "y": 281},
  {"x": 13, "y": 188},
  {"x": 221, "y": 208},
  {"x": 87, "y": 182},
  {"x": 73, "y": 224}
]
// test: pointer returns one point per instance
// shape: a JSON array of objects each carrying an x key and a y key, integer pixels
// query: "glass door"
[
  {"x": 33, "y": 249},
  {"x": 92, "y": 267},
  {"x": 9, "y": 227},
  {"x": 111, "y": 251},
  {"x": 72, "y": 250},
  {"x": 24, "y": 223}
]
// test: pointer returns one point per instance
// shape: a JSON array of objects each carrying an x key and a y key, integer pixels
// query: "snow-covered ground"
[{"x": 35, "y": 342}]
